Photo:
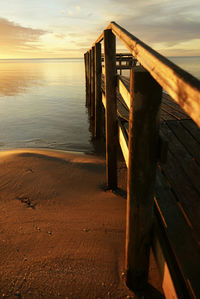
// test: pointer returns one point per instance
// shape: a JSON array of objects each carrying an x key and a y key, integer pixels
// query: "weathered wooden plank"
[
  {"x": 187, "y": 140},
  {"x": 124, "y": 98},
  {"x": 173, "y": 109},
  {"x": 174, "y": 112},
  {"x": 143, "y": 141},
  {"x": 168, "y": 105},
  {"x": 183, "y": 188},
  {"x": 188, "y": 165},
  {"x": 168, "y": 112},
  {"x": 180, "y": 237},
  {"x": 168, "y": 101},
  {"x": 122, "y": 108},
  {"x": 181, "y": 86},
  {"x": 165, "y": 116},
  {"x": 98, "y": 94},
  {"x": 111, "y": 109},
  {"x": 167, "y": 278},
  {"x": 192, "y": 128}
]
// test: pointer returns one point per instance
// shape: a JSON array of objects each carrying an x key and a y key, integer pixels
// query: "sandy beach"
[{"x": 62, "y": 234}]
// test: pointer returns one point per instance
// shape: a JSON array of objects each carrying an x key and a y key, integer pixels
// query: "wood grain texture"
[
  {"x": 170, "y": 110},
  {"x": 111, "y": 109},
  {"x": 145, "y": 94},
  {"x": 98, "y": 94},
  {"x": 89, "y": 80},
  {"x": 87, "y": 77},
  {"x": 182, "y": 87},
  {"x": 180, "y": 238},
  {"x": 92, "y": 109},
  {"x": 182, "y": 171}
]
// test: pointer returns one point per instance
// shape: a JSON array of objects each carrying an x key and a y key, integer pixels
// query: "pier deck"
[
  {"x": 177, "y": 188},
  {"x": 149, "y": 127},
  {"x": 182, "y": 168}
]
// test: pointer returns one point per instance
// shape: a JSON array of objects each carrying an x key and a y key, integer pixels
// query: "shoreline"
[{"x": 62, "y": 235}]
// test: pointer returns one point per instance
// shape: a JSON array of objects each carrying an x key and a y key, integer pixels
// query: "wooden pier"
[{"x": 154, "y": 115}]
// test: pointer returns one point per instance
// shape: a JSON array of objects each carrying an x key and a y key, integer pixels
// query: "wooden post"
[
  {"x": 87, "y": 77},
  {"x": 145, "y": 96},
  {"x": 92, "y": 84},
  {"x": 111, "y": 108},
  {"x": 85, "y": 64},
  {"x": 98, "y": 93},
  {"x": 89, "y": 81}
]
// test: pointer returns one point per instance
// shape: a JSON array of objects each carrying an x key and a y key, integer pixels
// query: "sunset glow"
[{"x": 66, "y": 28}]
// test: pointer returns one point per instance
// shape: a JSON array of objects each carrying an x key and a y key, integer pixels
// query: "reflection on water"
[
  {"x": 190, "y": 64},
  {"x": 16, "y": 77},
  {"x": 42, "y": 104}
]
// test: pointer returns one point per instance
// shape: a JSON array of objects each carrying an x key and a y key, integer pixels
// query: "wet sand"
[{"x": 61, "y": 234}]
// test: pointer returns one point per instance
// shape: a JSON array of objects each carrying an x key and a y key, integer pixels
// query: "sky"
[{"x": 68, "y": 28}]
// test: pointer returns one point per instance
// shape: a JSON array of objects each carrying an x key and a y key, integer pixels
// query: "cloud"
[
  {"x": 169, "y": 32},
  {"x": 60, "y": 36},
  {"x": 14, "y": 37},
  {"x": 179, "y": 52},
  {"x": 73, "y": 12},
  {"x": 163, "y": 22}
]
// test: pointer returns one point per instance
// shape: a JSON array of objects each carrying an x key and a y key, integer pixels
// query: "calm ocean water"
[
  {"x": 190, "y": 64},
  {"x": 42, "y": 103}
]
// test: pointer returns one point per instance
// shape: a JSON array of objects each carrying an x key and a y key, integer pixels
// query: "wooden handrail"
[
  {"x": 139, "y": 140},
  {"x": 181, "y": 86}
]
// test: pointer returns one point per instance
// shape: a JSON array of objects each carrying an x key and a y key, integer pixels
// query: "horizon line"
[{"x": 42, "y": 58}]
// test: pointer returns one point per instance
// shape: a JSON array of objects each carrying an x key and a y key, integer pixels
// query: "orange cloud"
[{"x": 15, "y": 38}]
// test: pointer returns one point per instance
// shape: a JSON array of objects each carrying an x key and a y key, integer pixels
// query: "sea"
[{"x": 42, "y": 103}]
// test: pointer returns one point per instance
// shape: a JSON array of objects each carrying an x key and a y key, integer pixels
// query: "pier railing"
[{"x": 141, "y": 144}]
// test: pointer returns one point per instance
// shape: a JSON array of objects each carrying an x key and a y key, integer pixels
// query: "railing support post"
[
  {"x": 89, "y": 80},
  {"x": 92, "y": 84},
  {"x": 98, "y": 93},
  {"x": 145, "y": 96},
  {"x": 111, "y": 108},
  {"x": 86, "y": 57}
]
